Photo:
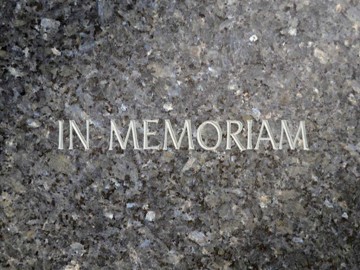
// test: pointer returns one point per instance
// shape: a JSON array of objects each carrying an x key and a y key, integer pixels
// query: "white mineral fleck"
[
  {"x": 213, "y": 71},
  {"x": 26, "y": 52},
  {"x": 77, "y": 248},
  {"x": 55, "y": 51},
  {"x": 256, "y": 113},
  {"x": 321, "y": 55},
  {"x": 49, "y": 24},
  {"x": 264, "y": 201},
  {"x": 298, "y": 240},
  {"x": 109, "y": 215},
  {"x": 123, "y": 107},
  {"x": 198, "y": 237},
  {"x": 14, "y": 72},
  {"x": 174, "y": 258},
  {"x": 145, "y": 243},
  {"x": 345, "y": 215},
  {"x": 33, "y": 123},
  {"x": 188, "y": 164},
  {"x": 356, "y": 86},
  {"x": 72, "y": 266},
  {"x": 328, "y": 204},
  {"x": 339, "y": 8},
  {"x": 253, "y": 38},
  {"x": 150, "y": 216},
  {"x": 292, "y": 31},
  {"x": 352, "y": 99},
  {"x": 131, "y": 205},
  {"x": 168, "y": 107}
]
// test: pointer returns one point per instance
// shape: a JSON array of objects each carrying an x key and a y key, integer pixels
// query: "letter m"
[{"x": 293, "y": 143}]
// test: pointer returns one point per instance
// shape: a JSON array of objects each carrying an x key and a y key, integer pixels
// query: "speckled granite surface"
[{"x": 296, "y": 60}]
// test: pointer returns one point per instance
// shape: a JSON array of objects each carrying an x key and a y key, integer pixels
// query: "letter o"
[{"x": 199, "y": 135}]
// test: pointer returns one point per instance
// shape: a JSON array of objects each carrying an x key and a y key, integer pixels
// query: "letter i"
[
  {"x": 249, "y": 135},
  {"x": 61, "y": 134}
]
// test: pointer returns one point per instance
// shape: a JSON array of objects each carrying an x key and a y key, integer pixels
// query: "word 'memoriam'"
[{"x": 233, "y": 138}]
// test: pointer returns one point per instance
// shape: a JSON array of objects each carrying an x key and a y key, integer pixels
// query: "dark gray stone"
[{"x": 179, "y": 209}]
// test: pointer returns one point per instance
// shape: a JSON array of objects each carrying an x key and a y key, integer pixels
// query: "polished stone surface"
[{"x": 179, "y": 209}]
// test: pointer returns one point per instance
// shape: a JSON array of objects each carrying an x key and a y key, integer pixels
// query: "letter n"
[{"x": 74, "y": 126}]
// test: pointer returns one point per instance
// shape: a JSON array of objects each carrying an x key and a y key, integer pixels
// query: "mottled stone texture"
[{"x": 225, "y": 59}]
